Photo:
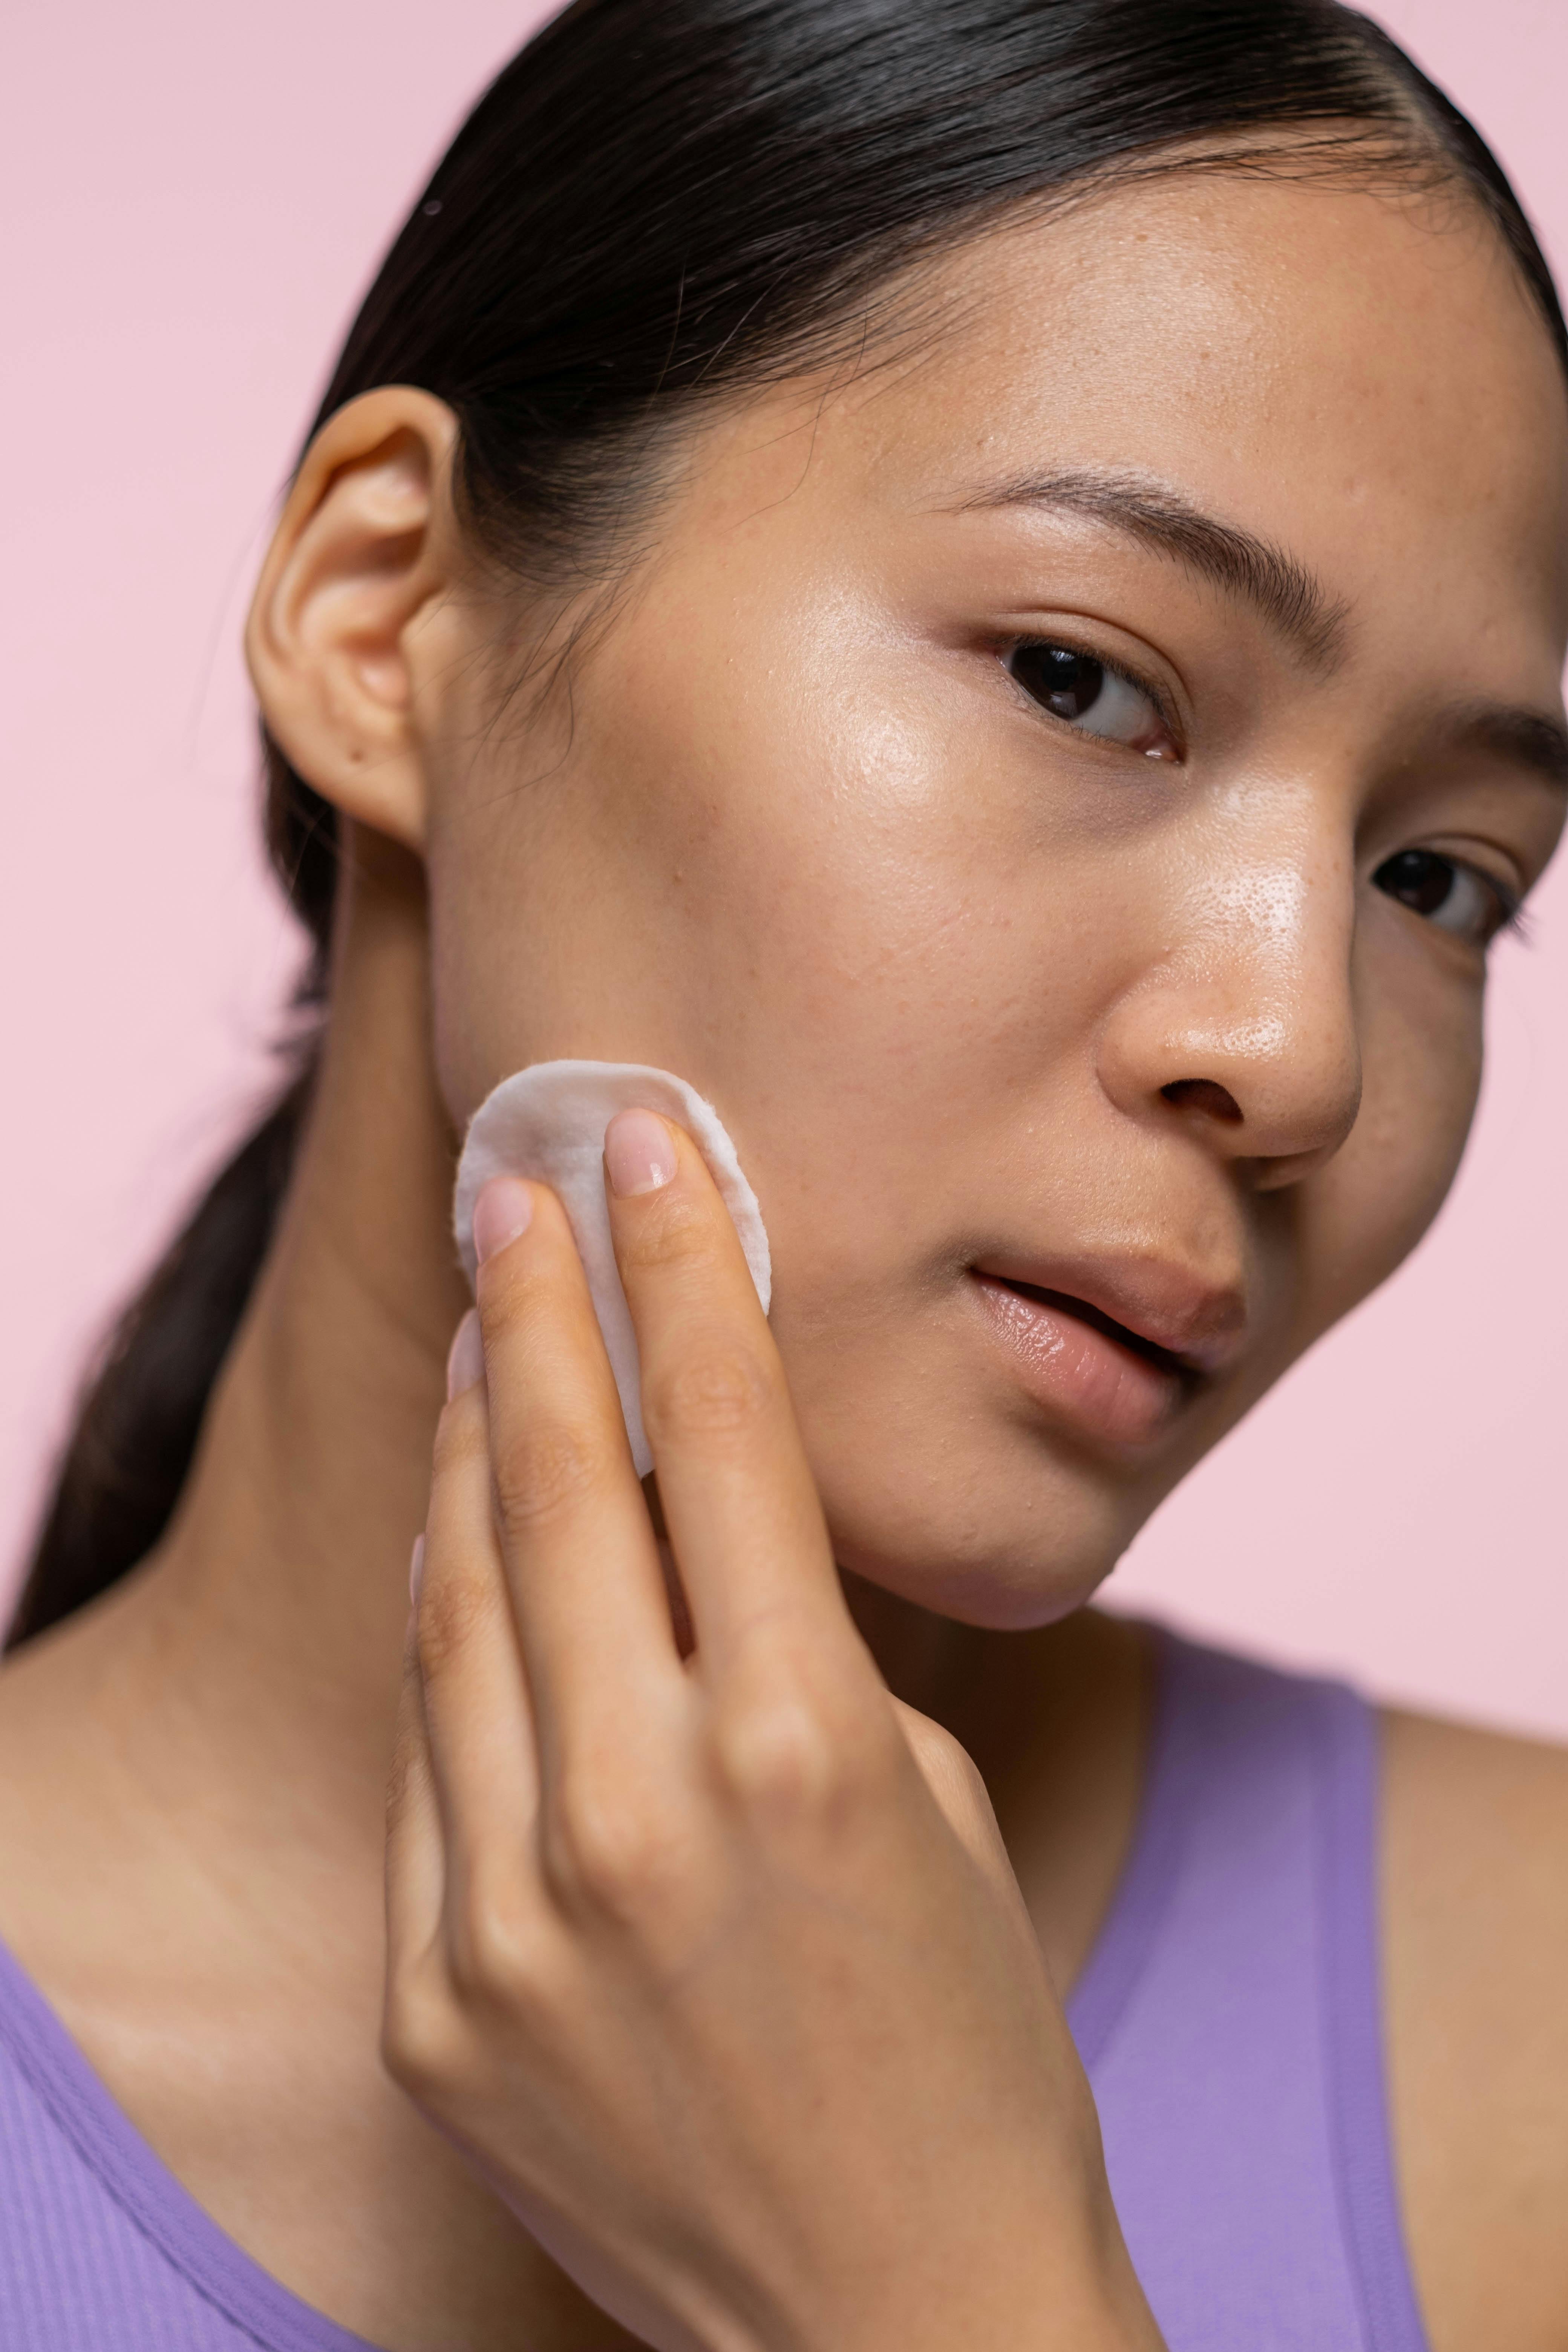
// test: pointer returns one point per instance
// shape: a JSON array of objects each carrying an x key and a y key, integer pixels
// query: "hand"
[{"x": 713, "y": 1963}]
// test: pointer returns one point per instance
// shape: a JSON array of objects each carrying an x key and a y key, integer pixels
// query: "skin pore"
[{"x": 1001, "y": 1011}]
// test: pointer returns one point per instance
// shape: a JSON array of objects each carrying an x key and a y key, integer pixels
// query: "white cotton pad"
[{"x": 548, "y": 1122}]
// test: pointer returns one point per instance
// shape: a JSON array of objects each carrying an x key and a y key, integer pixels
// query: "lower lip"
[{"x": 1078, "y": 1374}]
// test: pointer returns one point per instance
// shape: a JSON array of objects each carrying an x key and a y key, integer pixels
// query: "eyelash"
[
  {"x": 1508, "y": 903},
  {"x": 1044, "y": 692},
  {"x": 1125, "y": 676}
]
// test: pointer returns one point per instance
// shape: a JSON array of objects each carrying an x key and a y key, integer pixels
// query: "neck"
[
  {"x": 259, "y": 1650},
  {"x": 193, "y": 1771},
  {"x": 271, "y": 1617}
]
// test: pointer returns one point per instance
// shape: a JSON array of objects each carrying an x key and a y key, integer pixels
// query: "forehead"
[{"x": 1362, "y": 378}]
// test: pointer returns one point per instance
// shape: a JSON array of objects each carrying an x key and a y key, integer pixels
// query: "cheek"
[
  {"x": 877, "y": 946},
  {"x": 782, "y": 861},
  {"x": 1368, "y": 1209},
  {"x": 788, "y": 863}
]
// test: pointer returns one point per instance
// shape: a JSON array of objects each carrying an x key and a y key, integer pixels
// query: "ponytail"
[{"x": 139, "y": 1419}]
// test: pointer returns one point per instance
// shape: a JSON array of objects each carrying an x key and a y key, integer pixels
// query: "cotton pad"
[{"x": 548, "y": 1122}]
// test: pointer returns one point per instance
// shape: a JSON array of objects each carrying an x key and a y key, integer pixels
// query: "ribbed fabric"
[
  {"x": 1228, "y": 2017},
  {"x": 101, "y": 2248},
  {"x": 1230, "y": 2021}
]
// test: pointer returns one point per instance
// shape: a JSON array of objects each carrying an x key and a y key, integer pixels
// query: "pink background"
[{"x": 194, "y": 196}]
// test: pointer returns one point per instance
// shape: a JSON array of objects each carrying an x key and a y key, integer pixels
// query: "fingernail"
[
  {"x": 416, "y": 1571},
  {"x": 639, "y": 1152},
  {"x": 503, "y": 1209},
  {"x": 466, "y": 1360}
]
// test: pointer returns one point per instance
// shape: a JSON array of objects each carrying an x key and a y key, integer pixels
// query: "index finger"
[
  {"x": 577, "y": 1542},
  {"x": 738, "y": 1499}
]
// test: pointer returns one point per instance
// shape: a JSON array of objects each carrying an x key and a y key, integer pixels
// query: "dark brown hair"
[{"x": 655, "y": 202}]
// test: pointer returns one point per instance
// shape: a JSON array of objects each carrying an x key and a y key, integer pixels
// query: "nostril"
[{"x": 1206, "y": 1095}]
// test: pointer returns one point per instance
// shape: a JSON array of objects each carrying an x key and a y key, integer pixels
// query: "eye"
[
  {"x": 1456, "y": 896},
  {"x": 1091, "y": 697}
]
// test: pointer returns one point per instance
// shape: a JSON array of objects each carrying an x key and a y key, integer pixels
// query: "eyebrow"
[
  {"x": 1526, "y": 738},
  {"x": 1290, "y": 597}
]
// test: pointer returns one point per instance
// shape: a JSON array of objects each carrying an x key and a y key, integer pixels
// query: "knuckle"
[
  {"x": 716, "y": 1390},
  {"x": 492, "y": 1980},
  {"x": 455, "y": 1607},
  {"x": 423, "y": 2046},
  {"x": 402, "y": 1784},
  {"x": 793, "y": 1757},
  {"x": 673, "y": 1230},
  {"x": 498, "y": 1961},
  {"x": 459, "y": 1438},
  {"x": 501, "y": 1288},
  {"x": 608, "y": 1849},
  {"x": 544, "y": 1471}
]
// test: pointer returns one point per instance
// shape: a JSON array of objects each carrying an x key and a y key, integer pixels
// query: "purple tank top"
[{"x": 1228, "y": 2017}]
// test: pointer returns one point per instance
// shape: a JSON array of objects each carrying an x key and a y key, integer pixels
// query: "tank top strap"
[
  {"x": 100, "y": 2244},
  {"x": 1230, "y": 2019}
]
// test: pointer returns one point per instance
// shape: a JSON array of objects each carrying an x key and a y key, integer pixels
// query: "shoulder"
[{"x": 1475, "y": 1884}]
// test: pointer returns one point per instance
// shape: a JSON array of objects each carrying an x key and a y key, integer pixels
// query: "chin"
[
  {"x": 990, "y": 1459},
  {"x": 1004, "y": 1537}
]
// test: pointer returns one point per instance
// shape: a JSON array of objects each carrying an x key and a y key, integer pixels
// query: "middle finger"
[
  {"x": 580, "y": 1558},
  {"x": 736, "y": 1488}
]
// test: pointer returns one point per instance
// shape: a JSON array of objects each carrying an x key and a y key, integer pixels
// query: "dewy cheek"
[{"x": 1080, "y": 1375}]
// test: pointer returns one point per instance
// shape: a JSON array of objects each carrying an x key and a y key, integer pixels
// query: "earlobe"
[{"x": 362, "y": 554}]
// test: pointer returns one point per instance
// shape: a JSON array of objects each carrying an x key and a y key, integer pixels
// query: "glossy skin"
[
  {"x": 978, "y": 996},
  {"x": 940, "y": 959}
]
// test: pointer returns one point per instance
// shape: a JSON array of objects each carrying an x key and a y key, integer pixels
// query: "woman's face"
[{"x": 1052, "y": 793}]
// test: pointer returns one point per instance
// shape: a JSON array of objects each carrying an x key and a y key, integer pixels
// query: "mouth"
[{"x": 1110, "y": 1382}]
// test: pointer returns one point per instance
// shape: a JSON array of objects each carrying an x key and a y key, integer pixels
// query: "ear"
[{"x": 364, "y": 555}]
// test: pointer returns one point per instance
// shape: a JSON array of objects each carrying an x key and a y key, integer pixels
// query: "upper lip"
[{"x": 1193, "y": 1322}]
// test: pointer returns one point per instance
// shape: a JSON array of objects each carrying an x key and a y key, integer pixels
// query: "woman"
[{"x": 984, "y": 582}]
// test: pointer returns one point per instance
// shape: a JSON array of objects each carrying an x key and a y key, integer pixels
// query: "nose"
[{"x": 1242, "y": 1021}]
